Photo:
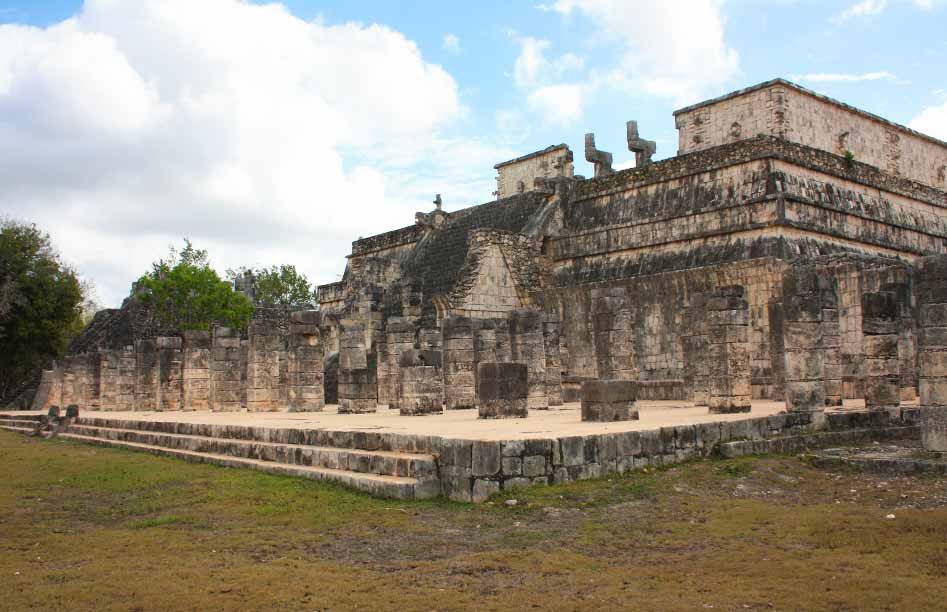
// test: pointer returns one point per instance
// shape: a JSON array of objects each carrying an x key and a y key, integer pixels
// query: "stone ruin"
[{"x": 765, "y": 261}]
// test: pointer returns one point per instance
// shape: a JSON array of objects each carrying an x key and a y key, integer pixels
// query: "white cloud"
[
  {"x": 823, "y": 77},
  {"x": 865, "y": 8},
  {"x": 932, "y": 121},
  {"x": 870, "y": 8},
  {"x": 533, "y": 69},
  {"x": 560, "y": 104},
  {"x": 673, "y": 48},
  {"x": 540, "y": 77},
  {"x": 136, "y": 123},
  {"x": 451, "y": 43}
]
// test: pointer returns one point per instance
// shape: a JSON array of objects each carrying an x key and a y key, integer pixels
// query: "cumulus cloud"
[
  {"x": 932, "y": 121},
  {"x": 560, "y": 104},
  {"x": 539, "y": 76},
  {"x": 136, "y": 123},
  {"x": 673, "y": 48},
  {"x": 866, "y": 8},
  {"x": 870, "y": 8}
]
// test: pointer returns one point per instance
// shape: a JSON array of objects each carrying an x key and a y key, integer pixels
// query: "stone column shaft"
[
  {"x": 526, "y": 338},
  {"x": 170, "y": 372},
  {"x": 729, "y": 358},
  {"x": 306, "y": 391},
  {"x": 459, "y": 378},
  {"x": 880, "y": 322},
  {"x": 226, "y": 386},
  {"x": 358, "y": 390},
  {"x": 802, "y": 340}
]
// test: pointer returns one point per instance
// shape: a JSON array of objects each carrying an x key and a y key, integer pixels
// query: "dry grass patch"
[{"x": 85, "y": 528}]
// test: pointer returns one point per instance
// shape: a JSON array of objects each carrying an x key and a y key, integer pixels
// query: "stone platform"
[{"x": 457, "y": 455}]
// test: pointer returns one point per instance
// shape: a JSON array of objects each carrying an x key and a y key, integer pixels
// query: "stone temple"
[{"x": 783, "y": 277}]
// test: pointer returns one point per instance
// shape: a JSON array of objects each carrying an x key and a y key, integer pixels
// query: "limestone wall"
[{"x": 782, "y": 109}]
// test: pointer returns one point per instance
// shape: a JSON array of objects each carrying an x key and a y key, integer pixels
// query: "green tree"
[
  {"x": 184, "y": 292},
  {"x": 281, "y": 285},
  {"x": 40, "y": 303}
]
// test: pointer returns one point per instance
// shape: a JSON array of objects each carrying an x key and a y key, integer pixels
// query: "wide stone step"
[
  {"x": 386, "y": 463},
  {"x": 14, "y": 416},
  {"x": 363, "y": 440},
  {"x": 382, "y": 486},
  {"x": 22, "y": 430},
  {"x": 804, "y": 442},
  {"x": 18, "y": 423}
]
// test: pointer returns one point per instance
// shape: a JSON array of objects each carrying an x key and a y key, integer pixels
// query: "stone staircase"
[
  {"x": 290, "y": 452},
  {"x": 20, "y": 423}
]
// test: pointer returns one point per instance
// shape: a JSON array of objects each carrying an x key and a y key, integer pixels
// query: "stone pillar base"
[
  {"x": 609, "y": 400},
  {"x": 934, "y": 430},
  {"x": 503, "y": 389}
]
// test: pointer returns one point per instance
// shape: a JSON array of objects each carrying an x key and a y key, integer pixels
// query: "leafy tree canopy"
[
  {"x": 281, "y": 285},
  {"x": 183, "y": 291},
  {"x": 40, "y": 303}
]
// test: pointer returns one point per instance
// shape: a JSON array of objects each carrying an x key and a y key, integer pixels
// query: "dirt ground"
[{"x": 87, "y": 528}]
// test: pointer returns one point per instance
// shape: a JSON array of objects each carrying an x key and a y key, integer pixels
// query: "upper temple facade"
[{"x": 765, "y": 178}]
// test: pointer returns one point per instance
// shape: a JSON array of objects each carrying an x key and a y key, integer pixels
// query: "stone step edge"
[
  {"x": 398, "y": 487},
  {"x": 23, "y": 430},
  {"x": 244, "y": 441},
  {"x": 880, "y": 465},
  {"x": 96, "y": 420},
  {"x": 18, "y": 423},
  {"x": 789, "y": 444}
]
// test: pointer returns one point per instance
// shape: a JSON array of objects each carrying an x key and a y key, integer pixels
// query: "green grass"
[{"x": 87, "y": 528}]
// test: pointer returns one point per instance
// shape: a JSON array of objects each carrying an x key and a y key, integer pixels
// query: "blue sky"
[{"x": 273, "y": 135}]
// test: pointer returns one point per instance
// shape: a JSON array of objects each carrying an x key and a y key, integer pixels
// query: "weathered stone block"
[
  {"x": 934, "y": 430},
  {"x": 609, "y": 400},
  {"x": 502, "y": 389}
]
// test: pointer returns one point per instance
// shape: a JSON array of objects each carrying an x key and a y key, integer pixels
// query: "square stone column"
[
  {"x": 696, "y": 348},
  {"x": 225, "y": 384},
  {"x": 127, "y": 379},
  {"x": 551, "y": 334},
  {"x": 400, "y": 338},
  {"x": 79, "y": 381},
  {"x": 832, "y": 367},
  {"x": 170, "y": 372},
  {"x": 263, "y": 363},
  {"x": 803, "y": 350},
  {"x": 613, "y": 324},
  {"x": 502, "y": 389},
  {"x": 306, "y": 391},
  {"x": 609, "y": 400},
  {"x": 358, "y": 391},
  {"x": 526, "y": 339},
  {"x": 459, "y": 377},
  {"x": 196, "y": 379},
  {"x": 422, "y": 382},
  {"x": 146, "y": 374},
  {"x": 931, "y": 294},
  {"x": 108, "y": 379},
  {"x": 728, "y": 321},
  {"x": 880, "y": 323}
]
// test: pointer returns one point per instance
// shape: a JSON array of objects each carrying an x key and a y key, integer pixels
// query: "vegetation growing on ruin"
[
  {"x": 40, "y": 303},
  {"x": 184, "y": 292},
  {"x": 87, "y": 528},
  {"x": 278, "y": 285}
]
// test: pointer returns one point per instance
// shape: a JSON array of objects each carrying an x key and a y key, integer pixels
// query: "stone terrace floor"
[{"x": 464, "y": 424}]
